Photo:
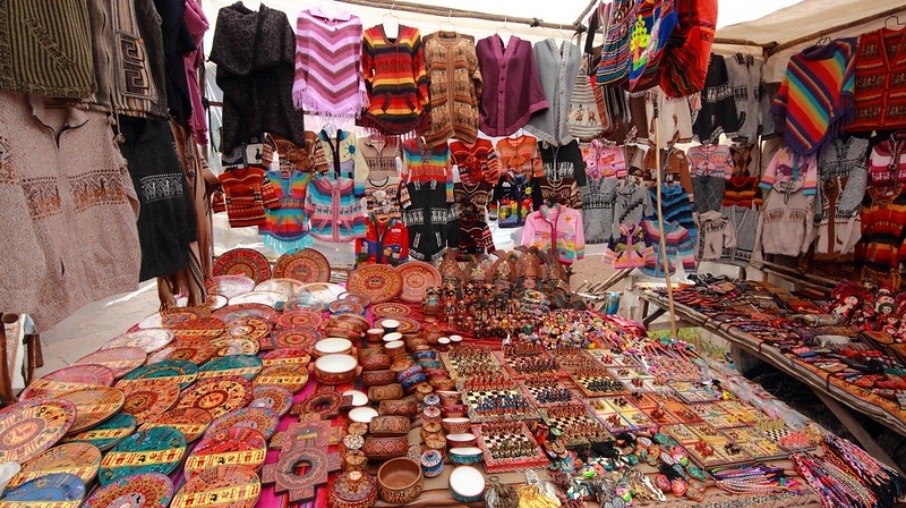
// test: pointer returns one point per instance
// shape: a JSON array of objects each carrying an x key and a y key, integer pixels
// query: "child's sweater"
[{"x": 679, "y": 245}]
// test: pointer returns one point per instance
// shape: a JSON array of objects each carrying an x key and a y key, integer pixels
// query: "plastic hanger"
[
  {"x": 396, "y": 23},
  {"x": 447, "y": 25},
  {"x": 505, "y": 29}
]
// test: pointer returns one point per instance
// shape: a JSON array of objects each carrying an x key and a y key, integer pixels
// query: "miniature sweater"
[
  {"x": 679, "y": 245},
  {"x": 598, "y": 199},
  {"x": 246, "y": 194},
  {"x": 286, "y": 226},
  {"x": 455, "y": 87},
  {"x": 629, "y": 248},
  {"x": 386, "y": 242},
  {"x": 843, "y": 176},
  {"x": 556, "y": 229},
  {"x": 787, "y": 167},
  {"x": 562, "y": 191},
  {"x": 476, "y": 162},
  {"x": 676, "y": 206},
  {"x": 336, "y": 213},
  {"x": 307, "y": 158},
  {"x": 378, "y": 157},
  {"x": 633, "y": 203},
  {"x": 339, "y": 152},
  {"x": 603, "y": 160},
  {"x": 426, "y": 164},
  {"x": 432, "y": 222},
  {"x": 564, "y": 162},
  {"x": 716, "y": 237}
]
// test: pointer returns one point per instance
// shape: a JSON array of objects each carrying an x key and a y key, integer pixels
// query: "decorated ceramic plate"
[
  {"x": 218, "y": 396},
  {"x": 360, "y": 298},
  {"x": 304, "y": 319},
  {"x": 230, "y": 285},
  {"x": 273, "y": 397},
  {"x": 193, "y": 351},
  {"x": 222, "y": 487},
  {"x": 227, "y": 346},
  {"x": 379, "y": 282},
  {"x": 183, "y": 372},
  {"x": 286, "y": 356},
  {"x": 215, "y": 302},
  {"x": 165, "y": 319},
  {"x": 346, "y": 307},
  {"x": 307, "y": 265},
  {"x": 390, "y": 310},
  {"x": 247, "y": 366},
  {"x": 241, "y": 446},
  {"x": 147, "y": 399},
  {"x": 93, "y": 405},
  {"x": 300, "y": 339},
  {"x": 121, "y": 360},
  {"x": 192, "y": 422},
  {"x": 248, "y": 262},
  {"x": 290, "y": 377},
  {"x": 157, "y": 450},
  {"x": 144, "y": 490},
  {"x": 261, "y": 419},
  {"x": 107, "y": 434},
  {"x": 417, "y": 277},
  {"x": 203, "y": 329},
  {"x": 58, "y": 490},
  {"x": 285, "y": 286},
  {"x": 231, "y": 313},
  {"x": 150, "y": 339},
  {"x": 68, "y": 379},
  {"x": 304, "y": 303},
  {"x": 80, "y": 459},
  {"x": 269, "y": 298},
  {"x": 320, "y": 293},
  {"x": 248, "y": 328}
]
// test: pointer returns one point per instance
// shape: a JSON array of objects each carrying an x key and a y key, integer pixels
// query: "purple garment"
[
  {"x": 198, "y": 25},
  {"x": 512, "y": 90}
]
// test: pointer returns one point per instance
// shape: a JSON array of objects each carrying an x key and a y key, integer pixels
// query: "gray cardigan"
[{"x": 557, "y": 67}]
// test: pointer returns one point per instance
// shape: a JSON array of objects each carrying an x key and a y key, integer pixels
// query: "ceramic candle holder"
[{"x": 353, "y": 489}]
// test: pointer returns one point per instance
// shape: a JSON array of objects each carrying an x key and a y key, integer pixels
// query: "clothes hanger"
[
  {"x": 505, "y": 29},
  {"x": 330, "y": 8},
  {"x": 395, "y": 19},
  {"x": 447, "y": 25},
  {"x": 895, "y": 18}
]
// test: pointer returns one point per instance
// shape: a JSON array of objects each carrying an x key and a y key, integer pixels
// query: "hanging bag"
[
  {"x": 654, "y": 23},
  {"x": 615, "y": 58},
  {"x": 585, "y": 120}
]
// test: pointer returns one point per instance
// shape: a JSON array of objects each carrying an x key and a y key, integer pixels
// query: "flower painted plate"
[
  {"x": 379, "y": 282},
  {"x": 121, "y": 360},
  {"x": 107, "y": 434},
  {"x": 290, "y": 377},
  {"x": 248, "y": 328},
  {"x": 261, "y": 419},
  {"x": 269, "y": 298},
  {"x": 227, "y": 346},
  {"x": 192, "y": 421},
  {"x": 218, "y": 396},
  {"x": 300, "y": 319},
  {"x": 59, "y": 490},
  {"x": 147, "y": 399},
  {"x": 93, "y": 405},
  {"x": 149, "y": 339},
  {"x": 307, "y": 265},
  {"x": 248, "y": 262},
  {"x": 230, "y": 285},
  {"x": 240, "y": 446},
  {"x": 273, "y": 397},
  {"x": 183, "y": 372},
  {"x": 223, "y": 487},
  {"x": 215, "y": 302},
  {"x": 408, "y": 325},
  {"x": 299, "y": 339},
  {"x": 285, "y": 286},
  {"x": 247, "y": 366},
  {"x": 157, "y": 450},
  {"x": 194, "y": 351},
  {"x": 418, "y": 277},
  {"x": 231, "y": 313},
  {"x": 68, "y": 379},
  {"x": 80, "y": 459},
  {"x": 304, "y": 303},
  {"x": 286, "y": 356},
  {"x": 390, "y": 310},
  {"x": 143, "y": 490}
]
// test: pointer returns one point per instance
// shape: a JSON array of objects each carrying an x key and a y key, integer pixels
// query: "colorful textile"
[
  {"x": 520, "y": 155},
  {"x": 710, "y": 160},
  {"x": 613, "y": 67},
  {"x": 685, "y": 66},
  {"x": 556, "y": 229},
  {"x": 285, "y": 227},
  {"x": 742, "y": 191},
  {"x": 423, "y": 164},
  {"x": 628, "y": 249},
  {"x": 563, "y": 191},
  {"x": 339, "y": 152},
  {"x": 378, "y": 157},
  {"x": 603, "y": 160},
  {"x": 653, "y": 26},
  {"x": 744, "y": 72},
  {"x": 887, "y": 164},
  {"x": 513, "y": 196},
  {"x": 815, "y": 100},
  {"x": 880, "y": 90},
  {"x": 334, "y": 210},
  {"x": 883, "y": 227},
  {"x": 473, "y": 197},
  {"x": 197, "y": 24},
  {"x": 512, "y": 90},
  {"x": 386, "y": 242},
  {"x": 564, "y": 161},
  {"x": 432, "y": 222},
  {"x": 585, "y": 120},
  {"x": 385, "y": 199},
  {"x": 787, "y": 219},
  {"x": 475, "y": 236},
  {"x": 308, "y": 158},
  {"x": 745, "y": 225},
  {"x": 632, "y": 205},
  {"x": 476, "y": 162},
  {"x": 843, "y": 175},
  {"x": 598, "y": 199},
  {"x": 679, "y": 246},
  {"x": 787, "y": 168},
  {"x": 396, "y": 79},
  {"x": 455, "y": 87},
  {"x": 246, "y": 194},
  {"x": 676, "y": 206}
]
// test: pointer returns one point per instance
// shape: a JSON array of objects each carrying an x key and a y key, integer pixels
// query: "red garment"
[
  {"x": 476, "y": 162},
  {"x": 880, "y": 81},
  {"x": 475, "y": 237},
  {"x": 247, "y": 194},
  {"x": 386, "y": 242}
]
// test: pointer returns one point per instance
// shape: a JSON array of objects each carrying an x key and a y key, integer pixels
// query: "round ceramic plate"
[
  {"x": 157, "y": 450},
  {"x": 360, "y": 298},
  {"x": 247, "y": 366},
  {"x": 286, "y": 356},
  {"x": 68, "y": 379},
  {"x": 144, "y": 490},
  {"x": 300, "y": 339},
  {"x": 346, "y": 306},
  {"x": 230, "y": 346},
  {"x": 290, "y": 377},
  {"x": 223, "y": 487},
  {"x": 192, "y": 422},
  {"x": 300, "y": 319},
  {"x": 107, "y": 434},
  {"x": 165, "y": 320},
  {"x": 231, "y": 313},
  {"x": 390, "y": 310},
  {"x": 93, "y": 405},
  {"x": 261, "y": 419},
  {"x": 230, "y": 285},
  {"x": 202, "y": 329},
  {"x": 150, "y": 339},
  {"x": 248, "y": 328},
  {"x": 320, "y": 293},
  {"x": 147, "y": 399},
  {"x": 285, "y": 286},
  {"x": 57, "y": 490},
  {"x": 194, "y": 351},
  {"x": 241, "y": 446},
  {"x": 273, "y": 397},
  {"x": 121, "y": 360},
  {"x": 183, "y": 372},
  {"x": 269, "y": 298},
  {"x": 304, "y": 303},
  {"x": 215, "y": 302},
  {"x": 307, "y": 265},
  {"x": 248, "y": 262},
  {"x": 408, "y": 325},
  {"x": 362, "y": 414},
  {"x": 218, "y": 396},
  {"x": 80, "y": 459},
  {"x": 379, "y": 282},
  {"x": 417, "y": 277}
]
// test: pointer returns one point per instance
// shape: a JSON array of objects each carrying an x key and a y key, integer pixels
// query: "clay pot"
[
  {"x": 400, "y": 481},
  {"x": 461, "y": 440},
  {"x": 374, "y": 335},
  {"x": 378, "y": 361},
  {"x": 403, "y": 407},
  {"x": 391, "y": 391},
  {"x": 333, "y": 346},
  {"x": 386, "y": 447},
  {"x": 353, "y": 489},
  {"x": 336, "y": 369},
  {"x": 458, "y": 425},
  {"x": 449, "y": 397},
  {"x": 389, "y": 426},
  {"x": 454, "y": 411}
]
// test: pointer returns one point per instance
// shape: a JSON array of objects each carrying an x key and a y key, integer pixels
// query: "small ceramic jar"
[
  {"x": 443, "y": 343},
  {"x": 390, "y": 325},
  {"x": 353, "y": 489},
  {"x": 374, "y": 335},
  {"x": 429, "y": 430},
  {"x": 392, "y": 391},
  {"x": 389, "y": 426},
  {"x": 423, "y": 390},
  {"x": 378, "y": 361},
  {"x": 431, "y": 414},
  {"x": 333, "y": 346},
  {"x": 455, "y": 339},
  {"x": 400, "y": 481},
  {"x": 437, "y": 442},
  {"x": 392, "y": 337},
  {"x": 449, "y": 397},
  {"x": 386, "y": 447},
  {"x": 432, "y": 463},
  {"x": 355, "y": 460},
  {"x": 336, "y": 369},
  {"x": 362, "y": 414}
]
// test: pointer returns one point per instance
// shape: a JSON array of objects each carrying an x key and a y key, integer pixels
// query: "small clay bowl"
[
  {"x": 390, "y": 325},
  {"x": 333, "y": 346},
  {"x": 465, "y": 455},
  {"x": 392, "y": 337},
  {"x": 400, "y": 480},
  {"x": 461, "y": 440},
  {"x": 467, "y": 484},
  {"x": 336, "y": 369},
  {"x": 456, "y": 425},
  {"x": 374, "y": 335},
  {"x": 449, "y": 397},
  {"x": 457, "y": 411},
  {"x": 391, "y": 391}
]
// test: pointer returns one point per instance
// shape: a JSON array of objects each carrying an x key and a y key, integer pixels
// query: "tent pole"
[
  {"x": 588, "y": 8},
  {"x": 660, "y": 225},
  {"x": 832, "y": 30}
]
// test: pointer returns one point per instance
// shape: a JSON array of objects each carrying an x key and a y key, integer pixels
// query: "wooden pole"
[
  {"x": 660, "y": 225},
  {"x": 588, "y": 8}
]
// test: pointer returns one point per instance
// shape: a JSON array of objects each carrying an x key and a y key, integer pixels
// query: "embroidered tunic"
[{"x": 455, "y": 87}]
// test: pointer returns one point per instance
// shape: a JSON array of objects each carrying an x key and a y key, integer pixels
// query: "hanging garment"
[
  {"x": 881, "y": 248},
  {"x": 424, "y": 164},
  {"x": 152, "y": 38},
  {"x": 339, "y": 151},
  {"x": 556, "y": 68},
  {"x": 378, "y": 157},
  {"x": 431, "y": 221},
  {"x": 285, "y": 226},
  {"x": 718, "y": 112},
  {"x": 564, "y": 162},
  {"x": 513, "y": 196},
  {"x": 616, "y": 109},
  {"x": 613, "y": 66},
  {"x": 679, "y": 246},
  {"x": 742, "y": 200},
  {"x": 598, "y": 199},
  {"x": 455, "y": 87},
  {"x": 880, "y": 90},
  {"x": 744, "y": 72},
  {"x": 475, "y": 197},
  {"x": 685, "y": 65},
  {"x": 652, "y": 29},
  {"x": 335, "y": 213},
  {"x": 716, "y": 237},
  {"x": 674, "y": 164},
  {"x": 676, "y": 207},
  {"x": 787, "y": 167},
  {"x": 475, "y": 236},
  {"x": 396, "y": 79},
  {"x": 711, "y": 167},
  {"x": 197, "y": 25},
  {"x": 632, "y": 204},
  {"x": 177, "y": 43},
  {"x": 246, "y": 194},
  {"x": 585, "y": 120},
  {"x": 307, "y": 158},
  {"x": 476, "y": 162},
  {"x": 563, "y": 191},
  {"x": 603, "y": 160},
  {"x": 843, "y": 176},
  {"x": 512, "y": 90},
  {"x": 328, "y": 80},
  {"x": 386, "y": 198},
  {"x": 520, "y": 155},
  {"x": 386, "y": 242},
  {"x": 787, "y": 220},
  {"x": 558, "y": 230},
  {"x": 674, "y": 118},
  {"x": 628, "y": 248}
]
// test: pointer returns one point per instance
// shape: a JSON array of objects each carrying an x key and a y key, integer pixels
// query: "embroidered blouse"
[
  {"x": 556, "y": 229},
  {"x": 512, "y": 90},
  {"x": 455, "y": 87},
  {"x": 336, "y": 213},
  {"x": 476, "y": 162}
]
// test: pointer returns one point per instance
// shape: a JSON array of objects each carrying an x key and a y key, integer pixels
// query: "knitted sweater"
[
  {"x": 787, "y": 168},
  {"x": 307, "y": 158},
  {"x": 286, "y": 226},
  {"x": 585, "y": 120},
  {"x": 629, "y": 248},
  {"x": 633, "y": 203},
  {"x": 718, "y": 113},
  {"x": 476, "y": 162},
  {"x": 711, "y": 166},
  {"x": 426, "y": 164},
  {"x": 475, "y": 197},
  {"x": 432, "y": 222},
  {"x": 557, "y": 68},
  {"x": 562, "y": 191},
  {"x": 556, "y": 229},
  {"x": 386, "y": 242},
  {"x": 602, "y": 160},
  {"x": 744, "y": 72},
  {"x": 513, "y": 196},
  {"x": 386, "y": 198},
  {"x": 520, "y": 155},
  {"x": 247, "y": 193},
  {"x": 564, "y": 162},
  {"x": 598, "y": 199},
  {"x": 475, "y": 236},
  {"x": 336, "y": 213},
  {"x": 455, "y": 87},
  {"x": 679, "y": 247},
  {"x": 339, "y": 153},
  {"x": 815, "y": 100},
  {"x": 328, "y": 59},
  {"x": 881, "y": 247},
  {"x": 378, "y": 157},
  {"x": 887, "y": 164},
  {"x": 716, "y": 237},
  {"x": 880, "y": 92},
  {"x": 676, "y": 207},
  {"x": 685, "y": 64},
  {"x": 787, "y": 220}
]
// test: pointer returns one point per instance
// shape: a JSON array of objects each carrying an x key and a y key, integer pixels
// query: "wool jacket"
[
  {"x": 675, "y": 163},
  {"x": 709, "y": 193},
  {"x": 598, "y": 199},
  {"x": 197, "y": 24},
  {"x": 68, "y": 220},
  {"x": 603, "y": 160},
  {"x": 718, "y": 113},
  {"x": 520, "y": 155},
  {"x": 177, "y": 43},
  {"x": 676, "y": 207},
  {"x": 386, "y": 198},
  {"x": 455, "y": 87},
  {"x": 556, "y": 229},
  {"x": 476, "y": 162},
  {"x": 513, "y": 198},
  {"x": 787, "y": 219},
  {"x": 563, "y": 191},
  {"x": 716, "y": 237},
  {"x": 633, "y": 202},
  {"x": 336, "y": 213},
  {"x": 881, "y": 247},
  {"x": 473, "y": 196},
  {"x": 843, "y": 173},
  {"x": 150, "y": 28},
  {"x": 246, "y": 194},
  {"x": 328, "y": 78},
  {"x": 880, "y": 90},
  {"x": 787, "y": 168},
  {"x": 396, "y": 79},
  {"x": 745, "y": 221},
  {"x": 378, "y": 157},
  {"x": 255, "y": 53},
  {"x": 339, "y": 151},
  {"x": 712, "y": 166},
  {"x": 432, "y": 222},
  {"x": 285, "y": 226},
  {"x": 386, "y": 242},
  {"x": 307, "y": 158},
  {"x": 679, "y": 246},
  {"x": 629, "y": 248},
  {"x": 557, "y": 67},
  {"x": 423, "y": 164},
  {"x": 744, "y": 72},
  {"x": 685, "y": 65},
  {"x": 887, "y": 164},
  {"x": 744, "y": 191},
  {"x": 674, "y": 118},
  {"x": 475, "y": 236},
  {"x": 564, "y": 162},
  {"x": 839, "y": 220},
  {"x": 512, "y": 89}
]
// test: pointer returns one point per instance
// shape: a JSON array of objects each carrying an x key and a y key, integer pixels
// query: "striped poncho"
[{"x": 815, "y": 100}]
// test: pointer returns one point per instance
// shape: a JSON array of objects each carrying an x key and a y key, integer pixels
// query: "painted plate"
[
  {"x": 215, "y": 302},
  {"x": 273, "y": 397},
  {"x": 28, "y": 428},
  {"x": 80, "y": 459},
  {"x": 285, "y": 286},
  {"x": 93, "y": 405},
  {"x": 300, "y": 339},
  {"x": 360, "y": 298},
  {"x": 194, "y": 351},
  {"x": 144, "y": 490},
  {"x": 417, "y": 277},
  {"x": 346, "y": 306},
  {"x": 223, "y": 487},
  {"x": 379, "y": 282},
  {"x": 150, "y": 339},
  {"x": 261, "y": 419},
  {"x": 306, "y": 303},
  {"x": 165, "y": 320},
  {"x": 408, "y": 325},
  {"x": 192, "y": 422},
  {"x": 304, "y": 319},
  {"x": 269, "y": 298},
  {"x": 320, "y": 293},
  {"x": 248, "y": 262},
  {"x": 183, "y": 372},
  {"x": 307, "y": 265},
  {"x": 231, "y": 347},
  {"x": 107, "y": 434},
  {"x": 290, "y": 377},
  {"x": 237, "y": 446},
  {"x": 247, "y": 366},
  {"x": 68, "y": 379},
  {"x": 233, "y": 312},
  {"x": 218, "y": 396},
  {"x": 147, "y": 399},
  {"x": 390, "y": 310},
  {"x": 286, "y": 356},
  {"x": 59, "y": 490},
  {"x": 121, "y": 360},
  {"x": 248, "y": 328},
  {"x": 230, "y": 285},
  {"x": 157, "y": 450},
  {"x": 203, "y": 329}
]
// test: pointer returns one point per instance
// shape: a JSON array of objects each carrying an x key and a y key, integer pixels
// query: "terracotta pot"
[
  {"x": 389, "y": 426},
  {"x": 386, "y": 447},
  {"x": 374, "y": 335},
  {"x": 430, "y": 429},
  {"x": 332, "y": 346},
  {"x": 461, "y": 440},
  {"x": 449, "y": 397},
  {"x": 377, "y": 377},
  {"x": 404, "y": 407},
  {"x": 391, "y": 391},
  {"x": 400, "y": 481},
  {"x": 353, "y": 489},
  {"x": 336, "y": 369},
  {"x": 378, "y": 361}
]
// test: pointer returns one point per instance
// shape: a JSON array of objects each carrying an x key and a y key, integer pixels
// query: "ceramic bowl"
[
  {"x": 455, "y": 339},
  {"x": 392, "y": 337},
  {"x": 465, "y": 455},
  {"x": 353, "y": 489},
  {"x": 333, "y": 346},
  {"x": 404, "y": 407},
  {"x": 377, "y": 361},
  {"x": 359, "y": 398},
  {"x": 348, "y": 326},
  {"x": 386, "y": 447},
  {"x": 374, "y": 335},
  {"x": 400, "y": 480},
  {"x": 461, "y": 440},
  {"x": 390, "y": 325},
  {"x": 336, "y": 369},
  {"x": 377, "y": 377},
  {"x": 412, "y": 383},
  {"x": 389, "y": 426},
  {"x": 392, "y": 391},
  {"x": 431, "y": 414},
  {"x": 362, "y": 414},
  {"x": 456, "y": 425},
  {"x": 467, "y": 484},
  {"x": 449, "y": 397},
  {"x": 455, "y": 411}
]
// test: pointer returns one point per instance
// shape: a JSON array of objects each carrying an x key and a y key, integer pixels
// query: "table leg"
[{"x": 647, "y": 320}]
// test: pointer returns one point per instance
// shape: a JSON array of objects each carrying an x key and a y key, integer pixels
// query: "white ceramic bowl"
[
  {"x": 467, "y": 484},
  {"x": 394, "y": 346},
  {"x": 392, "y": 337},
  {"x": 333, "y": 346},
  {"x": 461, "y": 440},
  {"x": 359, "y": 398},
  {"x": 336, "y": 369},
  {"x": 456, "y": 339},
  {"x": 362, "y": 414}
]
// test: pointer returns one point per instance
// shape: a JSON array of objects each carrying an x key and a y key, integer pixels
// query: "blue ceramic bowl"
[{"x": 465, "y": 455}]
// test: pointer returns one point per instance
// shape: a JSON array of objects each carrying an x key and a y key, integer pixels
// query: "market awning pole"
[{"x": 660, "y": 225}]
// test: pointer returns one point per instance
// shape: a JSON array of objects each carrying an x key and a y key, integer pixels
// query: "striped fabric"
[
  {"x": 679, "y": 244},
  {"x": 684, "y": 67},
  {"x": 520, "y": 155},
  {"x": 652, "y": 29},
  {"x": 476, "y": 162},
  {"x": 336, "y": 213},
  {"x": 613, "y": 67},
  {"x": 676, "y": 206},
  {"x": 883, "y": 227},
  {"x": 396, "y": 80},
  {"x": 880, "y": 81},
  {"x": 815, "y": 100},
  {"x": 286, "y": 228},
  {"x": 742, "y": 191},
  {"x": 247, "y": 194},
  {"x": 627, "y": 249},
  {"x": 423, "y": 164},
  {"x": 328, "y": 54}
]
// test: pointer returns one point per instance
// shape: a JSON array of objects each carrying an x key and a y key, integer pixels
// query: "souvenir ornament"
[
  {"x": 144, "y": 490},
  {"x": 307, "y": 266},
  {"x": 68, "y": 379},
  {"x": 218, "y": 395},
  {"x": 276, "y": 398},
  {"x": 93, "y": 405},
  {"x": 305, "y": 445},
  {"x": 227, "y": 346},
  {"x": 183, "y": 372},
  {"x": 324, "y": 403},
  {"x": 254, "y": 328},
  {"x": 80, "y": 459},
  {"x": 259, "y": 419},
  {"x": 379, "y": 282},
  {"x": 157, "y": 450},
  {"x": 353, "y": 489},
  {"x": 150, "y": 339},
  {"x": 107, "y": 434},
  {"x": 320, "y": 293},
  {"x": 238, "y": 446},
  {"x": 147, "y": 399},
  {"x": 247, "y": 262},
  {"x": 192, "y": 422},
  {"x": 222, "y": 487},
  {"x": 121, "y": 360},
  {"x": 231, "y": 285},
  {"x": 59, "y": 490},
  {"x": 418, "y": 277}
]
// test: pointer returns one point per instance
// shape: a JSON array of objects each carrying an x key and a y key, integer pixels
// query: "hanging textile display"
[
  {"x": 880, "y": 92},
  {"x": 512, "y": 90},
  {"x": 556, "y": 67},
  {"x": 613, "y": 66},
  {"x": 651, "y": 31},
  {"x": 456, "y": 87},
  {"x": 684, "y": 66}
]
